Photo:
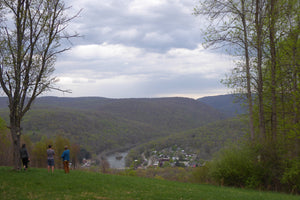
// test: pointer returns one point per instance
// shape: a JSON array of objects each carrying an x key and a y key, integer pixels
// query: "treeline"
[
  {"x": 100, "y": 124},
  {"x": 264, "y": 34},
  {"x": 38, "y": 150},
  {"x": 94, "y": 131}
]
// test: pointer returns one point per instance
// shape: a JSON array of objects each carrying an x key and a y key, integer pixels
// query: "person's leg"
[
  {"x": 25, "y": 163},
  {"x": 52, "y": 166},
  {"x": 68, "y": 167},
  {"x": 65, "y": 166},
  {"x": 49, "y": 164}
]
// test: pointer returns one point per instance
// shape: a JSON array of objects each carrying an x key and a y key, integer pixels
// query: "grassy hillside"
[{"x": 78, "y": 185}]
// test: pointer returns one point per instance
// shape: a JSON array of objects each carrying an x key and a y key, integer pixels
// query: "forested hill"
[
  {"x": 228, "y": 104},
  {"x": 167, "y": 113},
  {"x": 205, "y": 140},
  {"x": 102, "y": 124}
]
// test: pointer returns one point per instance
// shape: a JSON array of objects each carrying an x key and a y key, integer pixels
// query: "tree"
[
  {"x": 30, "y": 40},
  {"x": 75, "y": 155},
  {"x": 59, "y": 147},
  {"x": 229, "y": 24},
  {"x": 283, "y": 61},
  {"x": 274, "y": 46},
  {"x": 258, "y": 44},
  {"x": 39, "y": 152}
]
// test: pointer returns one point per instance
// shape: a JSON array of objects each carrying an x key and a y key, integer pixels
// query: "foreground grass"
[{"x": 39, "y": 184}]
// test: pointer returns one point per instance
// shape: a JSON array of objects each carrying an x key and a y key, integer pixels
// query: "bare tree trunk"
[
  {"x": 15, "y": 129},
  {"x": 249, "y": 94},
  {"x": 296, "y": 89},
  {"x": 272, "y": 33},
  {"x": 16, "y": 138},
  {"x": 259, "y": 28}
]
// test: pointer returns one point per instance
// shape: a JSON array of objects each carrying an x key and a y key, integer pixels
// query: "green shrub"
[
  {"x": 259, "y": 166},
  {"x": 271, "y": 165},
  {"x": 235, "y": 167},
  {"x": 291, "y": 176},
  {"x": 127, "y": 172},
  {"x": 201, "y": 174}
]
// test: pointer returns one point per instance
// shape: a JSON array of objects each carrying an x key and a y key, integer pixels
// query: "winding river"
[{"x": 117, "y": 160}]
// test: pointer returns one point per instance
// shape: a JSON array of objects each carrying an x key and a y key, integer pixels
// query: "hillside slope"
[
  {"x": 205, "y": 141},
  {"x": 78, "y": 185},
  {"x": 105, "y": 124},
  {"x": 228, "y": 104},
  {"x": 169, "y": 114}
]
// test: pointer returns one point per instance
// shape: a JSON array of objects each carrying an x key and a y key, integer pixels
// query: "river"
[{"x": 117, "y": 160}]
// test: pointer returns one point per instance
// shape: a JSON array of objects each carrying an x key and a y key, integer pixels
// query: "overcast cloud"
[{"x": 139, "y": 48}]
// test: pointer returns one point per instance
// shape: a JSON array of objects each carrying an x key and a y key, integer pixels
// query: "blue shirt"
[{"x": 66, "y": 155}]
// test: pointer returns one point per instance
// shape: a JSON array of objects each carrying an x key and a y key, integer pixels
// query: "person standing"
[
  {"x": 24, "y": 156},
  {"x": 66, "y": 158},
  {"x": 50, "y": 158}
]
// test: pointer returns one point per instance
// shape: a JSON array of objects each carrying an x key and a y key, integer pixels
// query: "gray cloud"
[
  {"x": 154, "y": 27},
  {"x": 135, "y": 48}
]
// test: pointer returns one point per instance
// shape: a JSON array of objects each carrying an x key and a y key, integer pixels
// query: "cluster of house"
[
  {"x": 87, "y": 163},
  {"x": 171, "y": 157}
]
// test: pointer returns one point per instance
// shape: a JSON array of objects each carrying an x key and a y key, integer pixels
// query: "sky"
[{"x": 139, "y": 49}]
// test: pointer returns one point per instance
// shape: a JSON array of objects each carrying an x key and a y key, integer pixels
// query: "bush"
[
  {"x": 291, "y": 176},
  {"x": 273, "y": 158},
  {"x": 259, "y": 166},
  {"x": 201, "y": 174},
  {"x": 235, "y": 167}
]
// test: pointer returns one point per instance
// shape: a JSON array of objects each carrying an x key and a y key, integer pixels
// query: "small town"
[{"x": 170, "y": 158}]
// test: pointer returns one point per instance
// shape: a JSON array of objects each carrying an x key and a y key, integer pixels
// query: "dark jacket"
[{"x": 24, "y": 153}]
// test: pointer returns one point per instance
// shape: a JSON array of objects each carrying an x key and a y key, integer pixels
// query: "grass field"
[{"x": 39, "y": 184}]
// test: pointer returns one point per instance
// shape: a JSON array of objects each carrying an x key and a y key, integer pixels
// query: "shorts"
[
  {"x": 25, "y": 162},
  {"x": 50, "y": 162}
]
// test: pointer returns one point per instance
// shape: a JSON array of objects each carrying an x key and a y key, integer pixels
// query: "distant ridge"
[
  {"x": 228, "y": 104},
  {"x": 99, "y": 123}
]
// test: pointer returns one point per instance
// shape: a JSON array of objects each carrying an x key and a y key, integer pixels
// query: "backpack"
[{"x": 24, "y": 153}]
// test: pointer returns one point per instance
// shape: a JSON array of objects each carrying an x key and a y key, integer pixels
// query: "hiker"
[
  {"x": 50, "y": 158},
  {"x": 24, "y": 156},
  {"x": 66, "y": 158}
]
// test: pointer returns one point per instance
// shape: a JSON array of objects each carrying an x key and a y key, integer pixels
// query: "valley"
[{"x": 139, "y": 126}]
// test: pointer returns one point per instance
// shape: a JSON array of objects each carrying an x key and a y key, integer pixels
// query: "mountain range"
[{"x": 102, "y": 124}]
